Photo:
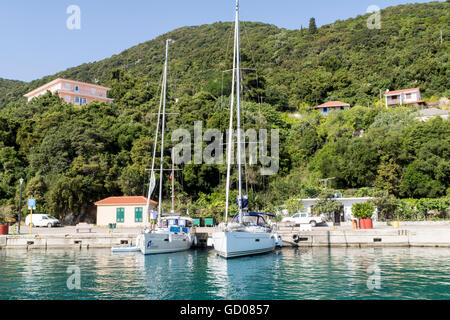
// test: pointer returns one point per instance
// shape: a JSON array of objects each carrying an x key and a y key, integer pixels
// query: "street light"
[{"x": 20, "y": 206}]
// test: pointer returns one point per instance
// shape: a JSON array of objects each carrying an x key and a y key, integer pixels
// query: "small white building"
[
  {"x": 401, "y": 97},
  {"x": 124, "y": 211},
  {"x": 330, "y": 106},
  {"x": 347, "y": 203}
]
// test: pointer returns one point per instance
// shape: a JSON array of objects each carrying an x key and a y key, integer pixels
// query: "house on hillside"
[
  {"x": 124, "y": 211},
  {"x": 404, "y": 97},
  {"x": 75, "y": 92},
  {"x": 332, "y": 106}
]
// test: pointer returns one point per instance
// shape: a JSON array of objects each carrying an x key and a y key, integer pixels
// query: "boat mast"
[
  {"x": 163, "y": 133},
  {"x": 173, "y": 181},
  {"x": 238, "y": 111},
  {"x": 230, "y": 131},
  {"x": 152, "y": 184}
]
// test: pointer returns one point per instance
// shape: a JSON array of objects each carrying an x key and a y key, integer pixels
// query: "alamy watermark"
[
  {"x": 374, "y": 21},
  {"x": 73, "y": 22},
  {"x": 254, "y": 147},
  {"x": 74, "y": 281}
]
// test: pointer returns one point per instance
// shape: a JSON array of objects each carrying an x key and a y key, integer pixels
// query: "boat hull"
[
  {"x": 125, "y": 249},
  {"x": 158, "y": 243},
  {"x": 235, "y": 244}
]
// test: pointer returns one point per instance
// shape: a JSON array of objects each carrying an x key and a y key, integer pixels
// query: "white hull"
[
  {"x": 157, "y": 243},
  {"x": 231, "y": 244}
]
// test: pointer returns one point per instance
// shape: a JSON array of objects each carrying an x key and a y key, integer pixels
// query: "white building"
[
  {"x": 124, "y": 211},
  {"x": 401, "y": 97},
  {"x": 346, "y": 212}
]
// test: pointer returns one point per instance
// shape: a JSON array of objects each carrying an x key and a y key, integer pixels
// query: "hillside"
[
  {"x": 7, "y": 91},
  {"x": 72, "y": 156},
  {"x": 344, "y": 60}
]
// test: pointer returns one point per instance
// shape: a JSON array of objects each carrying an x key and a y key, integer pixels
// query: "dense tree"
[
  {"x": 72, "y": 156},
  {"x": 312, "y": 26}
]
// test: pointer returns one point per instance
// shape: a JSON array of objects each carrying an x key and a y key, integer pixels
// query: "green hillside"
[
  {"x": 344, "y": 60},
  {"x": 7, "y": 91},
  {"x": 73, "y": 156}
]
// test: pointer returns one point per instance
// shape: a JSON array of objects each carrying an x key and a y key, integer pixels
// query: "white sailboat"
[
  {"x": 173, "y": 233},
  {"x": 248, "y": 234}
]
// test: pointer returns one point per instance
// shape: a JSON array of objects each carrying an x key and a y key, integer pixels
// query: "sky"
[{"x": 35, "y": 39}]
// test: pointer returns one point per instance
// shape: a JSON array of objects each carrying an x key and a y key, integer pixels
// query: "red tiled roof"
[
  {"x": 124, "y": 200},
  {"x": 388, "y": 93},
  {"x": 333, "y": 104}
]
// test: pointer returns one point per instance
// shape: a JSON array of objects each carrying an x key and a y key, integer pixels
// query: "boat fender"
[
  {"x": 195, "y": 241},
  {"x": 170, "y": 238}
]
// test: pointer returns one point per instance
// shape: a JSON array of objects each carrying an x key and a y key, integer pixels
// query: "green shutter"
[
  {"x": 138, "y": 212},
  {"x": 120, "y": 215}
]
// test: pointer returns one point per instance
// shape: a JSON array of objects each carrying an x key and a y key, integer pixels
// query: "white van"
[{"x": 42, "y": 220}]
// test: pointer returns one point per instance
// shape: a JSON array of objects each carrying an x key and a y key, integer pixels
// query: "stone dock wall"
[
  {"x": 436, "y": 237},
  {"x": 367, "y": 238}
]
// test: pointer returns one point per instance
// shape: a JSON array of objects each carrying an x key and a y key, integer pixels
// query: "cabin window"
[
  {"x": 138, "y": 212},
  {"x": 120, "y": 215}
]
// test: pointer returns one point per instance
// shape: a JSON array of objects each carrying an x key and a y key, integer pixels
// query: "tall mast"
[
  {"x": 238, "y": 110},
  {"x": 152, "y": 174},
  {"x": 163, "y": 133},
  {"x": 230, "y": 132},
  {"x": 173, "y": 181}
]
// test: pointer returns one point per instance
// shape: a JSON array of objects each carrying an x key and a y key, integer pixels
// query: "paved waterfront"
[{"x": 427, "y": 225}]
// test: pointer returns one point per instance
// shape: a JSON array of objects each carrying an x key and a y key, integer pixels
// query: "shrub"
[
  {"x": 5, "y": 213},
  {"x": 363, "y": 210}
]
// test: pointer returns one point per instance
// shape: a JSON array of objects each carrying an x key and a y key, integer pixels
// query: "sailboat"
[
  {"x": 248, "y": 234},
  {"x": 173, "y": 233}
]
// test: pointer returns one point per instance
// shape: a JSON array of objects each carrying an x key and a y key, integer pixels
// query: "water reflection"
[{"x": 309, "y": 273}]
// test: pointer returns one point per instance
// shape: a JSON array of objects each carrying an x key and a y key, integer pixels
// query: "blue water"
[{"x": 292, "y": 274}]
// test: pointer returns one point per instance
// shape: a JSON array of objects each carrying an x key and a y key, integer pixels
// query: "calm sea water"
[{"x": 293, "y": 274}]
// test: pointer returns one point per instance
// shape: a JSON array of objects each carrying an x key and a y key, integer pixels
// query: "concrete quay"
[
  {"x": 70, "y": 241},
  {"x": 409, "y": 235}
]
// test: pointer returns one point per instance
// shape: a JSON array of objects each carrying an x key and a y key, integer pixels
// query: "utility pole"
[
  {"x": 20, "y": 206},
  {"x": 325, "y": 181},
  {"x": 381, "y": 99}
]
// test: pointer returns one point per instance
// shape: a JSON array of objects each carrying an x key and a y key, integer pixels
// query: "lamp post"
[{"x": 20, "y": 206}]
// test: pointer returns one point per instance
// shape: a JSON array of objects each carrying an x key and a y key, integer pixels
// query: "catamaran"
[
  {"x": 173, "y": 233},
  {"x": 248, "y": 234}
]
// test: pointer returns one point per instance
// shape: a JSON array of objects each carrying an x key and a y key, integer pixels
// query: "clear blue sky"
[{"x": 34, "y": 39}]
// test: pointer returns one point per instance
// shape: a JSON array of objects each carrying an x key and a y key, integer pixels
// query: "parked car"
[
  {"x": 42, "y": 220},
  {"x": 304, "y": 218}
]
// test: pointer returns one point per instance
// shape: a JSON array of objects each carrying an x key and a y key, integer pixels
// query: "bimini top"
[{"x": 253, "y": 218}]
